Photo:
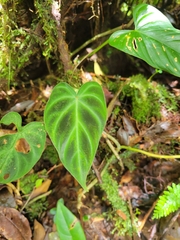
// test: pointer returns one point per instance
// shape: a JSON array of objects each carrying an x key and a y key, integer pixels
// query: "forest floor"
[
  {"x": 144, "y": 118},
  {"x": 140, "y": 182}
]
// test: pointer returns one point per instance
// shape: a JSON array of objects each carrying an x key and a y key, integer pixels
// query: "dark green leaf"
[
  {"x": 20, "y": 151},
  {"x": 74, "y": 122},
  {"x": 154, "y": 39}
]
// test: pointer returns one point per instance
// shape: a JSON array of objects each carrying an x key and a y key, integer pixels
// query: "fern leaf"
[{"x": 169, "y": 202}]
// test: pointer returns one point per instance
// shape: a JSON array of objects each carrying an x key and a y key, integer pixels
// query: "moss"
[
  {"x": 48, "y": 43},
  {"x": 28, "y": 38},
  {"x": 128, "y": 160},
  {"x": 51, "y": 154},
  {"x": 27, "y": 184},
  {"x": 121, "y": 226},
  {"x": 36, "y": 209},
  {"x": 147, "y": 98}
]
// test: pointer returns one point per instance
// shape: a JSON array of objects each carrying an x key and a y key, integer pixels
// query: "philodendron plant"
[
  {"x": 154, "y": 39},
  {"x": 75, "y": 119}
]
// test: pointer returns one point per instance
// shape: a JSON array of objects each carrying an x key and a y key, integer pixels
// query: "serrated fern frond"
[{"x": 169, "y": 202}]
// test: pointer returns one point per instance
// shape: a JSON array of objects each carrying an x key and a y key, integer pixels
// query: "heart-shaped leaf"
[
  {"x": 19, "y": 151},
  {"x": 74, "y": 122},
  {"x": 154, "y": 39},
  {"x": 68, "y": 226}
]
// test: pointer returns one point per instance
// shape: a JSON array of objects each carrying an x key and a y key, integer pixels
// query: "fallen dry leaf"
[
  {"x": 13, "y": 225},
  {"x": 6, "y": 198},
  {"x": 130, "y": 125},
  {"x": 41, "y": 189},
  {"x": 121, "y": 214},
  {"x": 21, "y": 106},
  {"x": 129, "y": 192},
  {"x": 123, "y": 137},
  {"x": 39, "y": 232},
  {"x": 126, "y": 178},
  {"x": 162, "y": 132}
]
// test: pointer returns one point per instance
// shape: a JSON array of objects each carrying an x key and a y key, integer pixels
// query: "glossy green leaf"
[
  {"x": 68, "y": 226},
  {"x": 154, "y": 39},
  {"x": 74, "y": 122},
  {"x": 20, "y": 151}
]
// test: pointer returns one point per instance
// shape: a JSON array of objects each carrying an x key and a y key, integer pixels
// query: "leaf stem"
[
  {"x": 150, "y": 154},
  {"x": 100, "y": 35},
  {"x": 102, "y": 45},
  {"x": 91, "y": 53}
]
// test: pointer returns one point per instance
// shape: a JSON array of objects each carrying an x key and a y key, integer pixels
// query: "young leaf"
[
  {"x": 68, "y": 226},
  {"x": 168, "y": 202},
  {"x": 154, "y": 39},
  {"x": 74, "y": 122},
  {"x": 20, "y": 151}
]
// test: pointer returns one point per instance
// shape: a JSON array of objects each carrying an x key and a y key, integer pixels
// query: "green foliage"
[
  {"x": 68, "y": 226},
  {"x": 110, "y": 186},
  {"x": 74, "y": 122},
  {"x": 28, "y": 182},
  {"x": 143, "y": 93},
  {"x": 154, "y": 39},
  {"x": 20, "y": 151},
  {"x": 168, "y": 202}
]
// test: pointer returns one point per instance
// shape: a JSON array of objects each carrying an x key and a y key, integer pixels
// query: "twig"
[
  {"x": 146, "y": 216},
  {"x": 112, "y": 102},
  {"x": 91, "y": 53},
  {"x": 170, "y": 224},
  {"x": 131, "y": 215},
  {"x": 40, "y": 196},
  {"x": 97, "y": 173},
  {"x": 106, "y": 135},
  {"x": 102, "y": 45},
  {"x": 30, "y": 201},
  {"x": 115, "y": 151},
  {"x": 92, "y": 183}
]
